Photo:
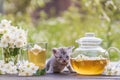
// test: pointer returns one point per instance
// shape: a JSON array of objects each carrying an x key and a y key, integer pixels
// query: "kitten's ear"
[
  {"x": 55, "y": 51},
  {"x": 69, "y": 49}
]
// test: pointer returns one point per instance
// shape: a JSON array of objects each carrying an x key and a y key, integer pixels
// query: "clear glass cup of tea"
[{"x": 36, "y": 53}]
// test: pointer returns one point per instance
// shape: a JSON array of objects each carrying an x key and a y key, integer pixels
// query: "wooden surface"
[{"x": 60, "y": 76}]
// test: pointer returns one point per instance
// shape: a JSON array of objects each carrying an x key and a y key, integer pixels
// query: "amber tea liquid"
[
  {"x": 89, "y": 67},
  {"x": 38, "y": 59}
]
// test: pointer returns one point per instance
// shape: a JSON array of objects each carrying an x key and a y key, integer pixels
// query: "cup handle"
[{"x": 113, "y": 48}]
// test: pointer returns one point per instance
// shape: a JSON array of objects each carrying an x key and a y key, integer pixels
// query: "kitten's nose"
[{"x": 64, "y": 60}]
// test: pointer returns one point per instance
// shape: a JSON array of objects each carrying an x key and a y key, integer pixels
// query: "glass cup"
[{"x": 37, "y": 54}]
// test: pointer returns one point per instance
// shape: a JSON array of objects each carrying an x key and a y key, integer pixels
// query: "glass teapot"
[{"x": 89, "y": 58}]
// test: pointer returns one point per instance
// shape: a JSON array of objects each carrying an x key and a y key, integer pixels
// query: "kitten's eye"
[
  {"x": 60, "y": 57},
  {"x": 67, "y": 56}
]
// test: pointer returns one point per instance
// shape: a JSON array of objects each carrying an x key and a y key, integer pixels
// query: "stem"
[
  {"x": 16, "y": 59},
  {"x": 6, "y": 55},
  {"x": 11, "y": 54}
]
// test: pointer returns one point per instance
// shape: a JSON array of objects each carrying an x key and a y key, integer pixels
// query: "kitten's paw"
[
  {"x": 72, "y": 71},
  {"x": 49, "y": 72}
]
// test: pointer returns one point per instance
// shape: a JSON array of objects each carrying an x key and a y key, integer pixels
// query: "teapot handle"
[{"x": 113, "y": 48}]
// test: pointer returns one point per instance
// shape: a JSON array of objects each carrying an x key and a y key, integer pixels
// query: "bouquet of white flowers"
[{"x": 12, "y": 40}]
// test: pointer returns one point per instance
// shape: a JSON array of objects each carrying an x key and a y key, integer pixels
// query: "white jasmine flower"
[
  {"x": 27, "y": 69},
  {"x": 112, "y": 68},
  {"x": 32, "y": 67},
  {"x": 5, "y": 23},
  {"x": 2, "y": 68},
  {"x": 2, "y": 31},
  {"x": 4, "y": 43},
  {"x": 12, "y": 70},
  {"x": 12, "y": 29},
  {"x": 6, "y": 36},
  {"x": 19, "y": 43}
]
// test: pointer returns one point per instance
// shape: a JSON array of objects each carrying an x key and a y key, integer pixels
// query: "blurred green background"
[{"x": 61, "y": 22}]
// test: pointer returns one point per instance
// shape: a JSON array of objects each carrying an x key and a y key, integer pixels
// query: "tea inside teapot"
[{"x": 89, "y": 66}]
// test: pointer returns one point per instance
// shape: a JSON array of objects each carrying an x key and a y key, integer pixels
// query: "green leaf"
[
  {"x": 40, "y": 72},
  {"x": 16, "y": 51}
]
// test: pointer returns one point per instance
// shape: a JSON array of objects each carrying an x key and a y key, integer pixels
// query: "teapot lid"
[{"x": 89, "y": 39}]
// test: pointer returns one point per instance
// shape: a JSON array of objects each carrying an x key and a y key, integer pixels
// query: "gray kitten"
[{"x": 59, "y": 60}]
